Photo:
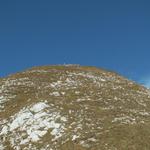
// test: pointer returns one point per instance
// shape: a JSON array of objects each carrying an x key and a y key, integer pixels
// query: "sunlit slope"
[{"x": 73, "y": 108}]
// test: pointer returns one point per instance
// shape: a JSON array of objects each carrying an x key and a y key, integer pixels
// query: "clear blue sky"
[{"x": 112, "y": 34}]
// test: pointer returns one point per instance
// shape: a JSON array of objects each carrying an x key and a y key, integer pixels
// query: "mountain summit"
[{"x": 72, "y": 107}]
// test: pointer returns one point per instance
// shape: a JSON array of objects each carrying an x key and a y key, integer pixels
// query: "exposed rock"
[{"x": 72, "y": 107}]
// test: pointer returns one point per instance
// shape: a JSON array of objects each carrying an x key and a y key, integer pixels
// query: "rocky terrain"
[{"x": 73, "y": 107}]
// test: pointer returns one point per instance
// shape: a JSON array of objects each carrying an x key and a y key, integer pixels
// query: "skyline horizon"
[
  {"x": 144, "y": 81},
  {"x": 110, "y": 34}
]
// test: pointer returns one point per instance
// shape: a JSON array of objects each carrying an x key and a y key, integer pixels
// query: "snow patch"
[
  {"x": 38, "y": 107},
  {"x": 55, "y": 94},
  {"x": 74, "y": 137},
  {"x": 32, "y": 123}
]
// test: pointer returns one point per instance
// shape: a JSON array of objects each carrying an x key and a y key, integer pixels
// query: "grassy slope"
[{"x": 101, "y": 104}]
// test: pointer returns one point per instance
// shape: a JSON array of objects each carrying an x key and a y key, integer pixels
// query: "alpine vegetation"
[{"x": 72, "y": 107}]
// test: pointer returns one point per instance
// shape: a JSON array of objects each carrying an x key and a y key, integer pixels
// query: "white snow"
[
  {"x": 20, "y": 120},
  {"x": 24, "y": 141},
  {"x": 56, "y": 84},
  {"x": 1, "y": 147},
  {"x": 63, "y": 119},
  {"x": 4, "y": 130},
  {"x": 63, "y": 93},
  {"x": 2, "y": 98},
  {"x": 2, "y": 101},
  {"x": 125, "y": 120},
  {"x": 55, "y": 93},
  {"x": 75, "y": 137},
  {"x": 34, "y": 137},
  {"x": 38, "y": 107},
  {"x": 92, "y": 139},
  {"x": 26, "y": 126}
]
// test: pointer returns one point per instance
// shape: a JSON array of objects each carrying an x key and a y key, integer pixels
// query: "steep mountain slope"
[{"x": 73, "y": 108}]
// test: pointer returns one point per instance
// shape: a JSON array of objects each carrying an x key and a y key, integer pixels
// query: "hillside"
[{"x": 73, "y": 108}]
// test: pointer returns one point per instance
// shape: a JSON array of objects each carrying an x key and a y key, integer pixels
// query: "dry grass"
[{"x": 94, "y": 106}]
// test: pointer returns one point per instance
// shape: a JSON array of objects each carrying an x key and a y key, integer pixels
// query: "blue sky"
[{"x": 110, "y": 34}]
